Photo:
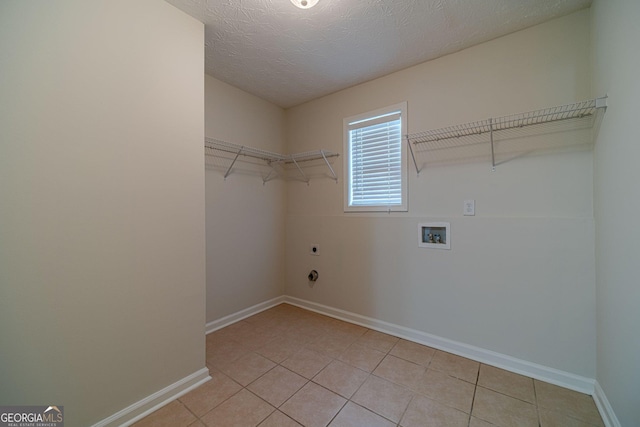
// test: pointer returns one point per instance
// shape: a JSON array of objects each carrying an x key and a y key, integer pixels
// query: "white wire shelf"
[
  {"x": 300, "y": 160},
  {"x": 468, "y": 139},
  {"x": 308, "y": 156},
  {"x": 227, "y": 147},
  {"x": 277, "y": 162}
]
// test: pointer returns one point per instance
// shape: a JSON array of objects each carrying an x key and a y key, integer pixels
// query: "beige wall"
[
  {"x": 245, "y": 219},
  {"x": 102, "y": 254},
  {"x": 519, "y": 278},
  {"x": 616, "y": 64}
]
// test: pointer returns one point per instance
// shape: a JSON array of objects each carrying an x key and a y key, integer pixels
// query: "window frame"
[{"x": 363, "y": 118}]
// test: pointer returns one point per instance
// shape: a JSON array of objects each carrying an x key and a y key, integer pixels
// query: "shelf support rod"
[
  {"x": 335, "y": 177},
  {"x": 493, "y": 155},
  {"x": 233, "y": 162},
  {"x": 412, "y": 155},
  {"x": 266, "y": 179},
  {"x": 300, "y": 170}
]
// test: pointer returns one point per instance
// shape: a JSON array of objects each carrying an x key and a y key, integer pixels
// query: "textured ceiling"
[{"x": 288, "y": 56}]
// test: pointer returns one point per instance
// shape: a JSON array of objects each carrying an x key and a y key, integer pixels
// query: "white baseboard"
[
  {"x": 146, "y": 406},
  {"x": 242, "y": 314},
  {"x": 512, "y": 364},
  {"x": 604, "y": 407},
  {"x": 157, "y": 400}
]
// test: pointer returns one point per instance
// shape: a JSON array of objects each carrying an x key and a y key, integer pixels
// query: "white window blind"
[
  {"x": 376, "y": 163},
  {"x": 376, "y": 176}
]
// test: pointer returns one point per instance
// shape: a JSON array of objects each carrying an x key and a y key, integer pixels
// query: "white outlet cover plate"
[{"x": 469, "y": 207}]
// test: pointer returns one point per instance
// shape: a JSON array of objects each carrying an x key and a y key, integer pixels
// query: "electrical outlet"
[
  {"x": 469, "y": 207},
  {"x": 315, "y": 250}
]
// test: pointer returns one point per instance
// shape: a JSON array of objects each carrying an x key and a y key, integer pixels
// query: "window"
[{"x": 375, "y": 160}]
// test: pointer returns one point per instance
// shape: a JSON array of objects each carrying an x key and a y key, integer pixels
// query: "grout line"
[
  {"x": 535, "y": 400},
  {"x": 475, "y": 390},
  {"x": 413, "y": 396},
  {"x": 339, "y": 410},
  {"x": 210, "y": 410},
  {"x": 268, "y": 403},
  {"x": 187, "y": 408}
]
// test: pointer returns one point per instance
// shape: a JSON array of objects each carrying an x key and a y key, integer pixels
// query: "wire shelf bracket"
[
  {"x": 308, "y": 156},
  {"x": 333, "y": 173},
  {"x": 213, "y": 145},
  {"x": 304, "y": 177},
  {"x": 472, "y": 133},
  {"x": 235, "y": 151},
  {"x": 233, "y": 162}
]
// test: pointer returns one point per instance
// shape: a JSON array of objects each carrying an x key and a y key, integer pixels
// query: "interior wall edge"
[
  {"x": 604, "y": 407},
  {"x": 155, "y": 401}
]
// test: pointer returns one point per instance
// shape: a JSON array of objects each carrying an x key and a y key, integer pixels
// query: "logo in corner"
[{"x": 32, "y": 416}]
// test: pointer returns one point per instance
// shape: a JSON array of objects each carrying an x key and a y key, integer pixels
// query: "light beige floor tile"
[
  {"x": 278, "y": 419},
  {"x": 277, "y": 385},
  {"x": 212, "y": 369},
  {"x": 383, "y": 397},
  {"x": 280, "y": 334},
  {"x": 508, "y": 383},
  {"x": 285, "y": 308},
  {"x": 446, "y": 389},
  {"x": 248, "y": 368},
  {"x": 567, "y": 402},
  {"x": 341, "y": 378},
  {"x": 216, "y": 338},
  {"x": 256, "y": 338},
  {"x": 424, "y": 412},
  {"x": 305, "y": 332},
  {"x": 172, "y": 415},
  {"x": 477, "y": 422},
  {"x": 378, "y": 340},
  {"x": 306, "y": 363},
  {"x": 416, "y": 353},
  {"x": 399, "y": 371},
  {"x": 280, "y": 329},
  {"x": 268, "y": 330},
  {"x": 353, "y": 415},
  {"x": 503, "y": 411},
  {"x": 362, "y": 357},
  {"x": 225, "y": 353},
  {"x": 267, "y": 318},
  {"x": 244, "y": 409},
  {"x": 549, "y": 418},
  {"x": 316, "y": 320},
  {"x": 302, "y": 335},
  {"x": 330, "y": 345},
  {"x": 210, "y": 394},
  {"x": 236, "y": 330},
  {"x": 279, "y": 349},
  {"x": 313, "y": 406},
  {"x": 456, "y": 366},
  {"x": 348, "y": 329}
]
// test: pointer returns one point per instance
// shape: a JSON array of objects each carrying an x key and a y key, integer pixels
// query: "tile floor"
[{"x": 288, "y": 367}]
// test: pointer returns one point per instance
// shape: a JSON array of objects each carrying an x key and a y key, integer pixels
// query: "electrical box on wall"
[{"x": 435, "y": 235}]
